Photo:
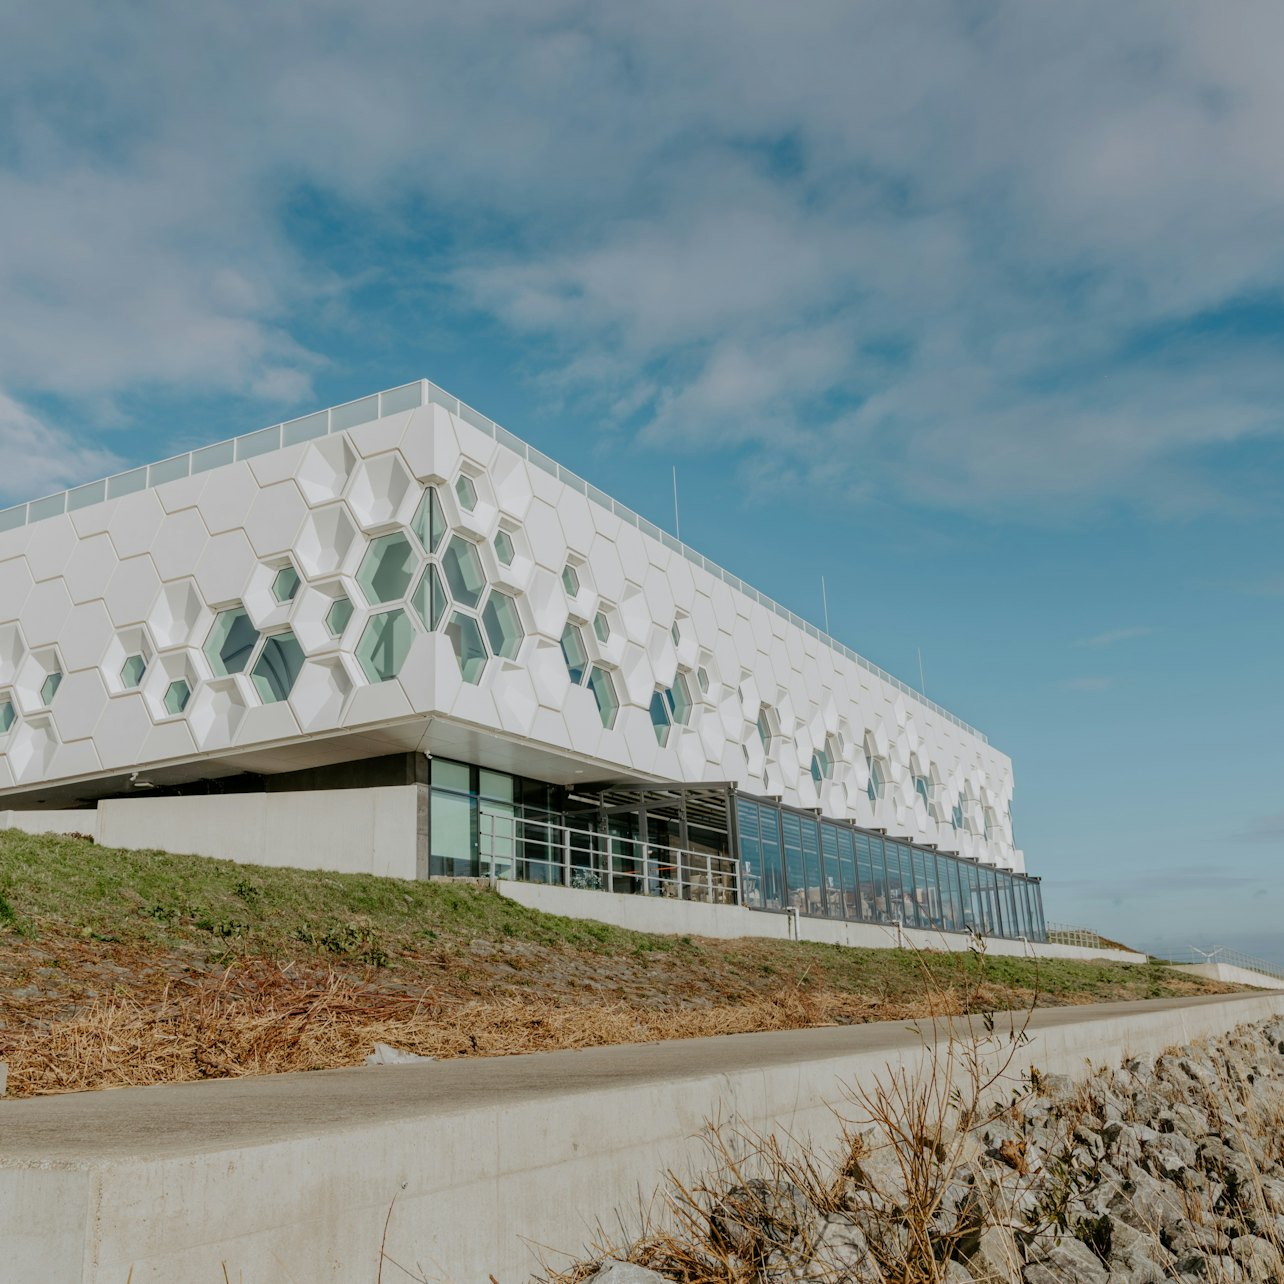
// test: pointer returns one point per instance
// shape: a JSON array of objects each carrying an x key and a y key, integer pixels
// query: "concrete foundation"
[
  {"x": 347, "y": 831},
  {"x": 1233, "y": 975},
  {"x": 469, "y": 1165},
  {"x": 694, "y": 918},
  {"x": 51, "y": 822}
]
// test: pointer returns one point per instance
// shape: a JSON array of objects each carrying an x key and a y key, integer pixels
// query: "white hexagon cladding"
[{"x": 145, "y": 577}]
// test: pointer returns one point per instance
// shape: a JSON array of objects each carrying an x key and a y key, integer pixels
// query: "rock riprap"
[{"x": 1171, "y": 1169}]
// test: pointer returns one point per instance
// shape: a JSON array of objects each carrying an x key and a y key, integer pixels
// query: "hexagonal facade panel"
[
  {"x": 387, "y": 569},
  {"x": 231, "y": 642},
  {"x": 360, "y": 581},
  {"x": 277, "y": 667},
  {"x": 384, "y": 645}
]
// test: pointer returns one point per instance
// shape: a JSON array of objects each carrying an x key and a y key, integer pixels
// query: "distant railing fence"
[
  {"x": 1234, "y": 958},
  {"x": 1065, "y": 934}
]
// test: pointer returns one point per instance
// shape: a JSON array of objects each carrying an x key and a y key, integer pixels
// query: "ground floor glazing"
[{"x": 714, "y": 844}]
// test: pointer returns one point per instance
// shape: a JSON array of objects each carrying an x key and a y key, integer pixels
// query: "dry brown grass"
[
  {"x": 122, "y": 967},
  {"x": 263, "y": 1019}
]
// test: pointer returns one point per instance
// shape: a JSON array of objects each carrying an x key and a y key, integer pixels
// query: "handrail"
[
  {"x": 589, "y": 859},
  {"x": 393, "y": 401},
  {"x": 1066, "y": 934},
  {"x": 1235, "y": 958}
]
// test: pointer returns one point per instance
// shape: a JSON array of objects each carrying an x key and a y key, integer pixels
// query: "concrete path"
[{"x": 291, "y": 1176}]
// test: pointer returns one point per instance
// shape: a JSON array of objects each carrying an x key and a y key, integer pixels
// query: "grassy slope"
[{"x": 87, "y": 929}]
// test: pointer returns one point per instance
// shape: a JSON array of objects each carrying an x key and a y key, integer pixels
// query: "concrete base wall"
[
  {"x": 725, "y": 922},
  {"x": 52, "y": 822},
  {"x": 467, "y": 1164},
  {"x": 348, "y": 831},
  {"x": 1232, "y": 975}
]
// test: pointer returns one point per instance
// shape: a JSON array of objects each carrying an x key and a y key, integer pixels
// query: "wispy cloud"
[
  {"x": 1111, "y": 636},
  {"x": 1271, "y": 586},
  {"x": 958, "y": 260},
  {"x": 1266, "y": 829},
  {"x": 1172, "y": 881},
  {"x": 39, "y": 458},
  {"x": 1088, "y": 683}
]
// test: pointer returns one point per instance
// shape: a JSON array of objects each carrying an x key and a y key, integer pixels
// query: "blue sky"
[{"x": 975, "y": 309}]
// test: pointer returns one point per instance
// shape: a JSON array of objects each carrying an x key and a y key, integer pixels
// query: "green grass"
[
  {"x": 162, "y": 899},
  {"x": 58, "y": 887}
]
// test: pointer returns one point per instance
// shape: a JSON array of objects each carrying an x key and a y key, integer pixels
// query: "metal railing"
[
  {"x": 535, "y": 851},
  {"x": 1234, "y": 958},
  {"x": 407, "y": 397},
  {"x": 1085, "y": 937}
]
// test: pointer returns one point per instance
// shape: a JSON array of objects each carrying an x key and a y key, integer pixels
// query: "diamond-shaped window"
[
  {"x": 230, "y": 642},
  {"x": 676, "y": 634},
  {"x": 337, "y": 617},
  {"x": 503, "y": 625},
  {"x": 429, "y": 523},
  {"x": 661, "y": 714},
  {"x": 603, "y": 689},
  {"x": 177, "y": 694},
  {"x": 49, "y": 687},
  {"x": 131, "y": 672},
  {"x": 466, "y": 637},
  {"x": 764, "y": 728},
  {"x": 573, "y": 653},
  {"x": 504, "y": 548},
  {"x": 464, "y": 575},
  {"x": 286, "y": 584},
  {"x": 465, "y": 492},
  {"x": 429, "y": 598},
  {"x": 922, "y": 789},
  {"x": 877, "y": 780},
  {"x": 7, "y": 715},
  {"x": 702, "y": 679},
  {"x": 277, "y": 668},
  {"x": 602, "y": 628},
  {"x": 570, "y": 580},
  {"x": 822, "y": 765},
  {"x": 384, "y": 644},
  {"x": 680, "y": 699}
]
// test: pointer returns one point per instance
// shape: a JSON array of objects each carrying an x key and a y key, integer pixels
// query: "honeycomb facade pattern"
[{"x": 402, "y": 572}]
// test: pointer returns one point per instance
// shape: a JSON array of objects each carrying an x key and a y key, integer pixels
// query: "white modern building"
[{"x": 397, "y": 594}]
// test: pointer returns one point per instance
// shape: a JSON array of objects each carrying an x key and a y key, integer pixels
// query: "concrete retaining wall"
[
  {"x": 667, "y": 914},
  {"x": 51, "y": 822},
  {"x": 349, "y": 831},
  {"x": 1232, "y": 975},
  {"x": 467, "y": 1163}
]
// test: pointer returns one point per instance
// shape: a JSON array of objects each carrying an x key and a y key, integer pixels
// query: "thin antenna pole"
[
  {"x": 677, "y": 519},
  {"x": 922, "y": 684},
  {"x": 824, "y": 597}
]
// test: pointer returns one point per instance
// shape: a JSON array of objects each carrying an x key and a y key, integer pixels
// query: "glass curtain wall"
[
  {"x": 828, "y": 869},
  {"x": 483, "y": 822}
]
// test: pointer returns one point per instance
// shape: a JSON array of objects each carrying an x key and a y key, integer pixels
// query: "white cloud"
[
  {"x": 1111, "y": 636},
  {"x": 1266, "y": 829},
  {"x": 954, "y": 253},
  {"x": 1088, "y": 683},
  {"x": 39, "y": 460}
]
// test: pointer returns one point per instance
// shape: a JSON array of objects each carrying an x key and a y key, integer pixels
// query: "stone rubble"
[{"x": 1163, "y": 1170}]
